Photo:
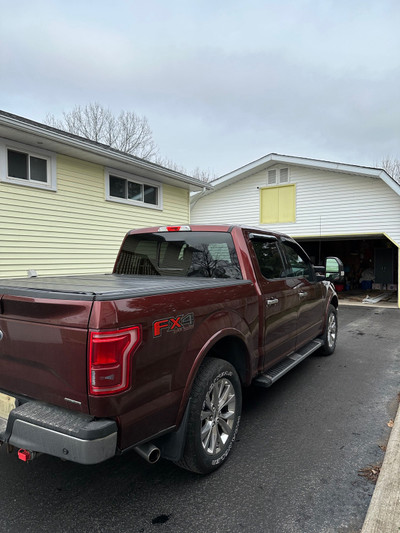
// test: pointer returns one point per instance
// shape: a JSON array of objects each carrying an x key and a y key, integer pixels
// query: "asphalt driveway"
[{"x": 294, "y": 468}]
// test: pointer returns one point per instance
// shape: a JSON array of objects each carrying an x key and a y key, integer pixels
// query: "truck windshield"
[{"x": 202, "y": 254}]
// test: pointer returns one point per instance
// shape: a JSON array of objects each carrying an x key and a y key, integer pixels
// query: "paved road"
[{"x": 294, "y": 468}]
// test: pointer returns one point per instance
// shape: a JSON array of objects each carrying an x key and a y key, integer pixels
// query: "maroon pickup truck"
[{"x": 153, "y": 357}]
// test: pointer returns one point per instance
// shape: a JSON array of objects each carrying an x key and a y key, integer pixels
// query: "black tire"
[
  {"x": 212, "y": 428},
  {"x": 330, "y": 334}
]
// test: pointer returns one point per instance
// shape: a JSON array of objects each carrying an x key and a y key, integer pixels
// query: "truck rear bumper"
[{"x": 73, "y": 436}]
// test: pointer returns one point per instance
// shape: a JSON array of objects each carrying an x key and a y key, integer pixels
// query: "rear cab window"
[{"x": 185, "y": 254}]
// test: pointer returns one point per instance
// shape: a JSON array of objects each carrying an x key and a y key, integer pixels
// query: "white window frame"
[
  {"x": 31, "y": 151},
  {"x": 278, "y": 181},
  {"x": 288, "y": 176},
  {"x": 136, "y": 179}
]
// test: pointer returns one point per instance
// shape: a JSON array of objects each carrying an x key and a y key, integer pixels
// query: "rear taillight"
[{"x": 110, "y": 355}]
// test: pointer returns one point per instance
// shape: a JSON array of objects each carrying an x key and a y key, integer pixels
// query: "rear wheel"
[
  {"x": 330, "y": 335},
  {"x": 216, "y": 403}
]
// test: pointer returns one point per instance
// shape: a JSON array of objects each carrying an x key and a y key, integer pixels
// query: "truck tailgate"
[{"x": 43, "y": 349}]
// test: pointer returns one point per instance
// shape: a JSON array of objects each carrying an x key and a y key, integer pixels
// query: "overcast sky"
[{"x": 221, "y": 82}]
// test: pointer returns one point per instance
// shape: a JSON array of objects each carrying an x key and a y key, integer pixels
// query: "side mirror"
[{"x": 334, "y": 270}]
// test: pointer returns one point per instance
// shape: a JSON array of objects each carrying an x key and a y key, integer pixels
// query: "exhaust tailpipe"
[{"x": 149, "y": 452}]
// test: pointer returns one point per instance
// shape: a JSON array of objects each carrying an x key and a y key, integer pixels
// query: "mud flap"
[{"x": 172, "y": 445}]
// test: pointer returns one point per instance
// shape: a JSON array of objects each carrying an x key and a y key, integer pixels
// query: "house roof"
[
  {"x": 20, "y": 129},
  {"x": 273, "y": 159}
]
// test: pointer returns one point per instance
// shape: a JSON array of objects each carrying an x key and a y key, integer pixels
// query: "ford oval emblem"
[{"x": 1, "y": 335}]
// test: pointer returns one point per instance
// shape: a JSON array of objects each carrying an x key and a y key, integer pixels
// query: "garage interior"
[{"x": 370, "y": 265}]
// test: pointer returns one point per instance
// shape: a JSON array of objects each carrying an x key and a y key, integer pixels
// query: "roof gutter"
[{"x": 80, "y": 143}]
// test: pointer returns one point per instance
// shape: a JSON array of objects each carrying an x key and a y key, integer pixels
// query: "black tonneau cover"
[{"x": 107, "y": 286}]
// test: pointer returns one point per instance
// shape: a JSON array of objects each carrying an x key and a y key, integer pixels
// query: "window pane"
[
  {"x": 147, "y": 248},
  {"x": 219, "y": 251},
  {"x": 271, "y": 177},
  {"x": 269, "y": 259},
  {"x": 117, "y": 187},
  {"x": 135, "y": 191},
  {"x": 17, "y": 165},
  {"x": 284, "y": 175},
  {"x": 300, "y": 266},
  {"x": 180, "y": 254},
  {"x": 38, "y": 169},
  {"x": 150, "y": 195}
]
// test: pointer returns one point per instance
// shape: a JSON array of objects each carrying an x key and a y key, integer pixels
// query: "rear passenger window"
[{"x": 269, "y": 259}]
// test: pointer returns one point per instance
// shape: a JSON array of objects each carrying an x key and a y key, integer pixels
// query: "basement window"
[{"x": 127, "y": 189}]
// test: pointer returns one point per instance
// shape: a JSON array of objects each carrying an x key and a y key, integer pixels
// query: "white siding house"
[{"x": 331, "y": 208}]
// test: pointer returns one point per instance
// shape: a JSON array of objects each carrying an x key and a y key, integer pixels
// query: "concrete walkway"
[{"x": 384, "y": 511}]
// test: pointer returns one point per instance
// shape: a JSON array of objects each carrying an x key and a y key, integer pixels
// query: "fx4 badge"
[{"x": 175, "y": 324}]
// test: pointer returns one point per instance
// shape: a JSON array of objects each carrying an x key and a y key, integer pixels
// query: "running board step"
[{"x": 280, "y": 369}]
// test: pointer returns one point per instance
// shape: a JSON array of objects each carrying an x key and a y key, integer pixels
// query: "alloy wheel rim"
[
  {"x": 331, "y": 330},
  {"x": 217, "y": 416}
]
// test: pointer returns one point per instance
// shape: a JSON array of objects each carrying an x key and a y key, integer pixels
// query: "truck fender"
[
  {"x": 330, "y": 299},
  {"x": 213, "y": 329}
]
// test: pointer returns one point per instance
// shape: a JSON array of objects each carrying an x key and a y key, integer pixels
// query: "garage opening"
[{"x": 370, "y": 264}]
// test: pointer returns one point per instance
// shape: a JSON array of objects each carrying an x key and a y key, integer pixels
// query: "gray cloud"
[{"x": 221, "y": 83}]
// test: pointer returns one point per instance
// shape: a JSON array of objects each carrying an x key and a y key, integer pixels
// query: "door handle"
[
  {"x": 302, "y": 294},
  {"x": 272, "y": 301}
]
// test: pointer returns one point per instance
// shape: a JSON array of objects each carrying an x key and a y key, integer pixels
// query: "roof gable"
[{"x": 273, "y": 159}]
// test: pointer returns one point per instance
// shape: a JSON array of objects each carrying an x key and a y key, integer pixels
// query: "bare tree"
[
  {"x": 203, "y": 175},
  {"x": 127, "y": 131},
  {"x": 392, "y": 167},
  {"x": 198, "y": 173}
]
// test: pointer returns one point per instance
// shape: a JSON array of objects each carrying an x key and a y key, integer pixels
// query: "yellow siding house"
[{"x": 66, "y": 202}]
